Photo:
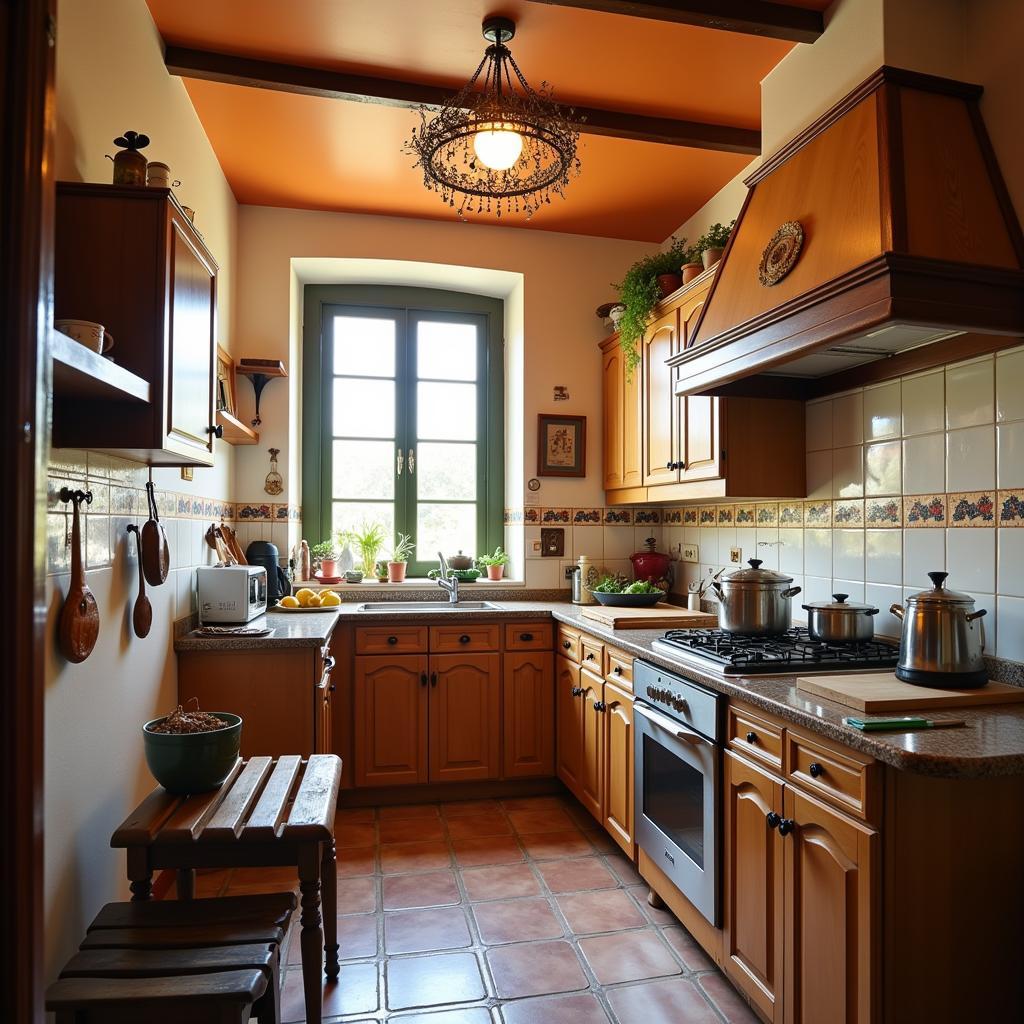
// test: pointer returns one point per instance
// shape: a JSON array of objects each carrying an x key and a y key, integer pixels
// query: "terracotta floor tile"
[
  {"x": 493, "y": 850},
  {"x": 661, "y": 1002},
  {"x": 356, "y": 860},
  {"x": 533, "y": 803},
  {"x": 577, "y": 874},
  {"x": 354, "y": 816},
  {"x": 462, "y": 1015},
  {"x": 407, "y": 811},
  {"x": 658, "y": 915},
  {"x": 414, "y": 857},
  {"x": 425, "y": 931},
  {"x": 729, "y": 1002},
  {"x": 624, "y": 870},
  {"x": 516, "y": 921},
  {"x": 580, "y": 815},
  {"x": 581, "y": 1008},
  {"x": 476, "y": 826},
  {"x": 357, "y": 937},
  {"x": 607, "y": 910},
  {"x": 357, "y": 895},
  {"x": 551, "y": 845},
  {"x": 535, "y": 969},
  {"x": 548, "y": 819},
  {"x": 414, "y": 892},
  {"x": 462, "y": 808},
  {"x": 439, "y": 980},
  {"x": 411, "y": 830},
  {"x": 500, "y": 881},
  {"x": 355, "y": 991},
  {"x": 687, "y": 948},
  {"x": 601, "y": 841},
  {"x": 628, "y": 956},
  {"x": 364, "y": 834}
]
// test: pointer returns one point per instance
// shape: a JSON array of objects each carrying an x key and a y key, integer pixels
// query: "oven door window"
[{"x": 673, "y": 798}]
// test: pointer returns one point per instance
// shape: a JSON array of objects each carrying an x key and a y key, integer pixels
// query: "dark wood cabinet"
[{"x": 130, "y": 259}]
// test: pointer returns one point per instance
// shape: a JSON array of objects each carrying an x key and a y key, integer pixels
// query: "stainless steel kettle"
[{"x": 942, "y": 640}]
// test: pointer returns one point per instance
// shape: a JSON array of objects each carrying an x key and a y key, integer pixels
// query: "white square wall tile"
[
  {"x": 854, "y": 589},
  {"x": 971, "y": 459},
  {"x": 1010, "y": 622},
  {"x": 971, "y": 559},
  {"x": 1010, "y": 385},
  {"x": 882, "y": 417},
  {"x": 924, "y": 409},
  {"x": 542, "y": 573},
  {"x": 883, "y": 556},
  {"x": 924, "y": 464},
  {"x": 848, "y": 420},
  {"x": 883, "y": 598},
  {"x": 586, "y": 540},
  {"x": 882, "y": 468},
  {"x": 748, "y": 548},
  {"x": 726, "y": 541},
  {"x": 1010, "y": 454},
  {"x": 848, "y": 554},
  {"x": 924, "y": 551},
  {"x": 1010, "y": 562},
  {"x": 819, "y": 474},
  {"x": 791, "y": 551},
  {"x": 617, "y": 542},
  {"x": 816, "y": 588},
  {"x": 818, "y": 425},
  {"x": 818, "y": 553},
  {"x": 989, "y": 624},
  {"x": 848, "y": 472},
  {"x": 767, "y": 547},
  {"x": 970, "y": 393}
]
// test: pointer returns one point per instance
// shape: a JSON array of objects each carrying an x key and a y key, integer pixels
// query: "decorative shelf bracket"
[{"x": 261, "y": 372}]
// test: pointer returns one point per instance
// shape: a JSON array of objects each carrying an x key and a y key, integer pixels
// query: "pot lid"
[
  {"x": 755, "y": 574},
  {"x": 839, "y": 603},
  {"x": 939, "y": 594}
]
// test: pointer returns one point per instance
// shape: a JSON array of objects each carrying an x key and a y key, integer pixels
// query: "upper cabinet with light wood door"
[
  {"x": 622, "y": 433},
  {"x": 130, "y": 259}
]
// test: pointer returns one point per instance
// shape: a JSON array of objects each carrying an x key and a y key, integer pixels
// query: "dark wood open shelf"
[{"x": 80, "y": 373}]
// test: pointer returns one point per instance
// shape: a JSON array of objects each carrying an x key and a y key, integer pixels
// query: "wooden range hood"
[{"x": 912, "y": 254}]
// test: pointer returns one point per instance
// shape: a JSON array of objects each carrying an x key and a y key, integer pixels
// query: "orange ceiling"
[{"x": 281, "y": 149}]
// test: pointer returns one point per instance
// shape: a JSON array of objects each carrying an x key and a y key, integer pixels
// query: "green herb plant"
[
  {"x": 620, "y": 585},
  {"x": 715, "y": 237},
  {"x": 403, "y": 548},
  {"x": 325, "y": 549},
  {"x": 367, "y": 539},
  {"x": 498, "y": 558}
]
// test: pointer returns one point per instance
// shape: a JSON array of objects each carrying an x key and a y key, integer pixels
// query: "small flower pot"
[
  {"x": 380, "y": 571},
  {"x": 691, "y": 270},
  {"x": 396, "y": 572},
  {"x": 495, "y": 572},
  {"x": 329, "y": 567},
  {"x": 668, "y": 283},
  {"x": 709, "y": 257}
]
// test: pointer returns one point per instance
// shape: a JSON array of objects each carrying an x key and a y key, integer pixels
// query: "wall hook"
[{"x": 67, "y": 494}]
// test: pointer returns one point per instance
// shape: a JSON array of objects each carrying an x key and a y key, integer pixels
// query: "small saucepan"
[{"x": 840, "y": 620}]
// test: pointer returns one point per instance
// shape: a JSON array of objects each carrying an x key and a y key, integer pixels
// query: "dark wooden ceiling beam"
[
  {"x": 233, "y": 69},
  {"x": 751, "y": 17}
]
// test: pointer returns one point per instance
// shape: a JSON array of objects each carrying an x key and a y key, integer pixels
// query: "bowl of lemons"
[{"x": 306, "y": 600}]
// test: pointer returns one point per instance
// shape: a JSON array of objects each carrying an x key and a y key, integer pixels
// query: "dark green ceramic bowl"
[{"x": 192, "y": 762}]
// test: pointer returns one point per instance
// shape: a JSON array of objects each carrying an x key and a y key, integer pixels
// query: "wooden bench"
[{"x": 210, "y": 961}]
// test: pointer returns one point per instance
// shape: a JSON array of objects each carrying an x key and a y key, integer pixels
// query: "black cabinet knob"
[
  {"x": 599, "y": 705},
  {"x": 332, "y": 687},
  {"x": 567, "y": 644},
  {"x": 815, "y": 769},
  {"x": 590, "y": 656},
  {"x": 526, "y": 637},
  {"x": 773, "y": 819},
  {"x": 423, "y": 679},
  {"x": 751, "y": 737},
  {"x": 670, "y": 465},
  {"x": 786, "y": 826},
  {"x": 577, "y": 690},
  {"x": 392, "y": 640},
  {"x": 464, "y": 639},
  {"x": 217, "y": 431},
  {"x": 433, "y": 679},
  {"x": 617, "y": 670}
]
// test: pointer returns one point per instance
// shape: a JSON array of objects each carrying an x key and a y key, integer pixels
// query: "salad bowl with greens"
[{"x": 617, "y": 592}]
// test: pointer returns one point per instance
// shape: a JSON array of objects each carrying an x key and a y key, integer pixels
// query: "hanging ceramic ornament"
[{"x": 273, "y": 484}]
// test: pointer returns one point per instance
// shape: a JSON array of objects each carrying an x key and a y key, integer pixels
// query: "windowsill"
[{"x": 420, "y": 583}]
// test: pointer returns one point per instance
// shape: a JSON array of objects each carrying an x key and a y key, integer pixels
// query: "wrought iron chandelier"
[{"x": 504, "y": 147}]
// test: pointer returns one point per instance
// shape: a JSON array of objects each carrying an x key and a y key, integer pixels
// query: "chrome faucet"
[{"x": 448, "y": 583}]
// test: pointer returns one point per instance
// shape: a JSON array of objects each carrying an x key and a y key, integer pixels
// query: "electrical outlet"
[
  {"x": 691, "y": 553},
  {"x": 735, "y": 555}
]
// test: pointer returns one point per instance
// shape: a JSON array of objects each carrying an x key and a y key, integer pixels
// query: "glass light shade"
[{"x": 498, "y": 147}]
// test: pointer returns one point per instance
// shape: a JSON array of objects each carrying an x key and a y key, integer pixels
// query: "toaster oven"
[{"x": 231, "y": 593}]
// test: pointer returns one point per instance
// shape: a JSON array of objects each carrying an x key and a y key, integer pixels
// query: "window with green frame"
[{"x": 403, "y": 417}]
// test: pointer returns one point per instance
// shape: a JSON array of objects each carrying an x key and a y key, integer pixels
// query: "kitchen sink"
[{"x": 427, "y": 606}]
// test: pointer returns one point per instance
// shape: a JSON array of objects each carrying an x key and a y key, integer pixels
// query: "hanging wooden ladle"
[
  {"x": 79, "y": 624},
  {"x": 142, "y": 613}
]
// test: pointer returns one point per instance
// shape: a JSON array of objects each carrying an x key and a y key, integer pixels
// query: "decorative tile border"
[
  {"x": 882, "y": 512},
  {"x": 647, "y": 517},
  {"x": 556, "y": 516},
  {"x": 849, "y": 512},
  {"x": 586, "y": 516},
  {"x": 708, "y": 515},
  {"x": 672, "y": 516},
  {"x": 746, "y": 516},
  {"x": 924, "y": 510},
  {"x": 618, "y": 517},
  {"x": 726, "y": 515},
  {"x": 972, "y": 508},
  {"x": 531, "y": 516},
  {"x": 691, "y": 516},
  {"x": 817, "y": 514},
  {"x": 1011, "y": 508},
  {"x": 767, "y": 514},
  {"x": 791, "y": 515}
]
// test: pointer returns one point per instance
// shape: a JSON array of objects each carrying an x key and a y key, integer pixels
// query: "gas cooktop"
[{"x": 793, "y": 651}]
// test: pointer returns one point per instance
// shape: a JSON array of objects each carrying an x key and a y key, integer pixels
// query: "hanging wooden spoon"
[
  {"x": 79, "y": 624},
  {"x": 231, "y": 541},
  {"x": 142, "y": 613}
]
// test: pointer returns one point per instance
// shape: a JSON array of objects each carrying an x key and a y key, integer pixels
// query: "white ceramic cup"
[{"x": 87, "y": 333}]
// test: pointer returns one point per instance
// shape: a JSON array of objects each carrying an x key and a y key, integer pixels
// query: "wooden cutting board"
[
  {"x": 662, "y": 615},
  {"x": 882, "y": 691}
]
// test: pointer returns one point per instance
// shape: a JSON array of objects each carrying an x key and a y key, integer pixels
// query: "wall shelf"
[
  {"x": 235, "y": 431},
  {"x": 81, "y": 374},
  {"x": 261, "y": 372}
]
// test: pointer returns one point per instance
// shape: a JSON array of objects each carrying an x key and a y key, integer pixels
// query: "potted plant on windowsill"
[
  {"x": 644, "y": 285},
  {"x": 711, "y": 244},
  {"x": 399, "y": 560},
  {"x": 326, "y": 554},
  {"x": 367, "y": 539},
  {"x": 494, "y": 564}
]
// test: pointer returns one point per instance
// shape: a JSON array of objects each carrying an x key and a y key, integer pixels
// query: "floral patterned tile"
[
  {"x": 849, "y": 512},
  {"x": 691, "y": 516},
  {"x": 248, "y": 512},
  {"x": 583, "y": 516},
  {"x": 672, "y": 516},
  {"x": 924, "y": 510},
  {"x": 726, "y": 515},
  {"x": 647, "y": 517},
  {"x": 282, "y": 513},
  {"x": 791, "y": 514},
  {"x": 1011, "y": 508},
  {"x": 708, "y": 515},
  {"x": 556, "y": 515},
  {"x": 882, "y": 512},
  {"x": 531, "y": 515},
  {"x": 972, "y": 508},
  {"x": 618, "y": 517},
  {"x": 746, "y": 515},
  {"x": 768, "y": 514},
  {"x": 818, "y": 514}
]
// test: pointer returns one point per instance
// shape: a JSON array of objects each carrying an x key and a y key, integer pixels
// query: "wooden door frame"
[{"x": 27, "y": 41}]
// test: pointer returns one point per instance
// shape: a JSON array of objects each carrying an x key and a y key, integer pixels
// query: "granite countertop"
[{"x": 991, "y": 743}]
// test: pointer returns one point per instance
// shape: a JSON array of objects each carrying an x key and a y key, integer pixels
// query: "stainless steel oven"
[{"x": 678, "y": 728}]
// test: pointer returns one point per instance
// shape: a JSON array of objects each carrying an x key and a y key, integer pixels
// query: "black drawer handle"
[
  {"x": 773, "y": 819},
  {"x": 786, "y": 825},
  {"x": 423, "y": 679},
  {"x": 332, "y": 687},
  {"x": 590, "y": 656},
  {"x": 217, "y": 431},
  {"x": 617, "y": 670},
  {"x": 526, "y": 637},
  {"x": 392, "y": 640},
  {"x": 567, "y": 644},
  {"x": 464, "y": 639},
  {"x": 599, "y": 705},
  {"x": 433, "y": 679},
  {"x": 577, "y": 690},
  {"x": 751, "y": 737},
  {"x": 815, "y": 769}
]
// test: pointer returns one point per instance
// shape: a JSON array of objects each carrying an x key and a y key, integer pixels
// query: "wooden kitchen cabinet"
[
  {"x": 464, "y": 714},
  {"x": 130, "y": 259},
  {"x": 590, "y": 778},
  {"x": 617, "y": 787},
  {"x": 659, "y": 417},
  {"x": 528, "y": 719},
  {"x": 623, "y": 451},
  {"x": 568, "y": 715}
]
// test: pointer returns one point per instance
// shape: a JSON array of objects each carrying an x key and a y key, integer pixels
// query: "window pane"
[
  {"x": 446, "y": 471},
  {"x": 446, "y": 351},
  {"x": 446, "y": 411},
  {"x": 363, "y": 469},
  {"x": 352, "y": 515},
  {"x": 364, "y": 346},
  {"x": 444, "y": 528},
  {"x": 364, "y": 408}
]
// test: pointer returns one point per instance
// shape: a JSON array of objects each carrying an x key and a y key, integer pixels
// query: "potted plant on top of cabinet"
[
  {"x": 399, "y": 559},
  {"x": 710, "y": 246},
  {"x": 494, "y": 564},
  {"x": 692, "y": 266}
]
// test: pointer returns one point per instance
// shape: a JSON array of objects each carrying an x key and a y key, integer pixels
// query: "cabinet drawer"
[
  {"x": 842, "y": 779},
  {"x": 592, "y": 654},
  {"x": 754, "y": 737},
  {"x": 478, "y": 637},
  {"x": 618, "y": 668},
  {"x": 391, "y": 640},
  {"x": 568, "y": 643},
  {"x": 528, "y": 636}
]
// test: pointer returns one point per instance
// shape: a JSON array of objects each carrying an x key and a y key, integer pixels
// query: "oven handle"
[{"x": 669, "y": 725}]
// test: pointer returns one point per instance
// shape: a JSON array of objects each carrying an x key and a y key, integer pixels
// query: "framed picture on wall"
[
  {"x": 225, "y": 382},
  {"x": 561, "y": 445}
]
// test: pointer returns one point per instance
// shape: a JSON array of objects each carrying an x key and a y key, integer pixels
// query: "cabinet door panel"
[
  {"x": 529, "y": 714},
  {"x": 391, "y": 720},
  {"x": 753, "y": 884},
  {"x": 612, "y": 395},
  {"x": 591, "y": 765},
  {"x": 618, "y": 763},
  {"x": 831, "y": 898},
  {"x": 632, "y": 431},
  {"x": 465, "y": 717},
  {"x": 659, "y": 427},
  {"x": 568, "y": 712}
]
